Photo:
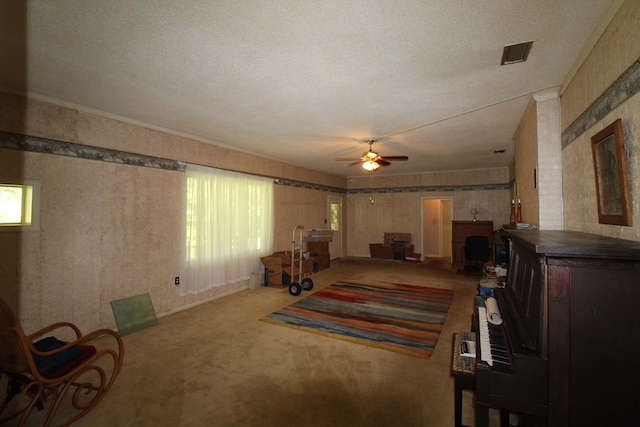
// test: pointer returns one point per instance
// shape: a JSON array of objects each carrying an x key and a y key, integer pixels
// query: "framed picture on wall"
[{"x": 610, "y": 166}]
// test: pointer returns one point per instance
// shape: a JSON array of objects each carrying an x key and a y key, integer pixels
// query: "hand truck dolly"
[{"x": 298, "y": 285}]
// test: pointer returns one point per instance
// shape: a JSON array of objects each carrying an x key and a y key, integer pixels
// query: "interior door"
[
  {"x": 436, "y": 227},
  {"x": 334, "y": 216},
  {"x": 432, "y": 234}
]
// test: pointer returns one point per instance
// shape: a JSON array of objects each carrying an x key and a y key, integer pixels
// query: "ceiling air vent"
[{"x": 516, "y": 53}]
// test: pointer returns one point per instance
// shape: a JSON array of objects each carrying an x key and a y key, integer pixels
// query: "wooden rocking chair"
[{"x": 39, "y": 367}]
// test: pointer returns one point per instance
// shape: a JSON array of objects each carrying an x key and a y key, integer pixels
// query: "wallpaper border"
[
  {"x": 70, "y": 149},
  {"x": 623, "y": 88},
  {"x": 38, "y": 144},
  {"x": 432, "y": 189}
]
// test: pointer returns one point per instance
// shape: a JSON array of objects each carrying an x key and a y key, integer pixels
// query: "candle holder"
[{"x": 512, "y": 217}]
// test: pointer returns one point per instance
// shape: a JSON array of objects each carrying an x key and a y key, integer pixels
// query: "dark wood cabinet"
[
  {"x": 589, "y": 291},
  {"x": 459, "y": 232}
]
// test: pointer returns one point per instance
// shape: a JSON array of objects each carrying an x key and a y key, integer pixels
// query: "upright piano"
[{"x": 568, "y": 350}]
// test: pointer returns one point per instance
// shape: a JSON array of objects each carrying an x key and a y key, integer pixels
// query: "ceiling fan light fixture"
[
  {"x": 370, "y": 166},
  {"x": 372, "y": 160},
  {"x": 370, "y": 155}
]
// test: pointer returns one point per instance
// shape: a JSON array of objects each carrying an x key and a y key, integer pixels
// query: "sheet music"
[{"x": 493, "y": 312}]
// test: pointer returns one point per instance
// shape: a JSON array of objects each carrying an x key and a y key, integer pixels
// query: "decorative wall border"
[
  {"x": 56, "y": 147},
  {"x": 431, "y": 189},
  {"x": 307, "y": 185},
  {"x": 416, "y": 189},
  {"x": 625, "y": 86},
  {"x": 69, "y": 149}
]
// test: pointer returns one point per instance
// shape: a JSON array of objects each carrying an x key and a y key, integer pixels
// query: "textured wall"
[
  {"x": 526, "y": 161},
  {"x": 103, "y": 236},
  {"x": 616, "y": 50},
  {"x": 398, "y": 199},
  {"x": 297, "y": 206},
  {"x": 549, "y": 176},
  {"x": 108, "y": 230}
]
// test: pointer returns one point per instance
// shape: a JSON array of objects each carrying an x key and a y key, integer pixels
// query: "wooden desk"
[{"x": 460, "y": 230}]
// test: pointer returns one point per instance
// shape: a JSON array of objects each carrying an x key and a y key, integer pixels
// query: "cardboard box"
[
  {"x": 389, "y": 238},
  {"x": 285, "y": 256},
  {"x": 278, "y": 280},
  {"x": 279, "y": 271},
  {"x": 272, "y": 264},
  {"x": 275, "y": 266}
]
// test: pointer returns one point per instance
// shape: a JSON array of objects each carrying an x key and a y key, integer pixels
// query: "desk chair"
[{"x": 476, "y": 252}]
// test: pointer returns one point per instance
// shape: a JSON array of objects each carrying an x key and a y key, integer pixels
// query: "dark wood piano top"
[{"x": 565, "y": 243}]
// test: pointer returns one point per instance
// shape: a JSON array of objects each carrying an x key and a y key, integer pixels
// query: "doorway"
[
  {"x": 334, "y": 214},
  {"x": 436, "y": 227}
]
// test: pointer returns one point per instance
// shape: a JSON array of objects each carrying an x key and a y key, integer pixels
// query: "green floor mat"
[{"x": 134, "y": 314}]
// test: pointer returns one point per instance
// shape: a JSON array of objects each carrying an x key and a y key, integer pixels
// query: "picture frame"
[{"x": 610, "y": 167}]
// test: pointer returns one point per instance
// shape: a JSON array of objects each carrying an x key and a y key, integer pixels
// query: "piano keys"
[
  {"x": 506, "y": 379},
  {"x": 494, "y": 348}
]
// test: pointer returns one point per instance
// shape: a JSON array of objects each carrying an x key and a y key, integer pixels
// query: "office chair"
[{"x": 476, "y": 252}]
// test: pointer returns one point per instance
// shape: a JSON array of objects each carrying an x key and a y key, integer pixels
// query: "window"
[
  {"x": 229, "y": 226},
  {"x": 335, "y": 216},
  {"x": 18, "y": 205}
]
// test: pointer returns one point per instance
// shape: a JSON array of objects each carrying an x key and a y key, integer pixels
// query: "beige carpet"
[{"x": 218, "y": 365}]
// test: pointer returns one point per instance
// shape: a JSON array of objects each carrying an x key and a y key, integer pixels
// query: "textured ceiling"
[{"x": 305, "y": 81}]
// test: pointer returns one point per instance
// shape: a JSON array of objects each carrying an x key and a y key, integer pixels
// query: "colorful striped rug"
[{"x": 406, "y": 319}]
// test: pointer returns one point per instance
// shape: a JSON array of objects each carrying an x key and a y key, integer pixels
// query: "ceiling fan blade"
[
  {"x": 395, "y": 158},
  {"x": 373, "y": 156},
  {"x": 347, "y": 159}
]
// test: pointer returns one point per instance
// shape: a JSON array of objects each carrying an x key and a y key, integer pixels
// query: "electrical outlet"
[{"x": 177, "y": 280}]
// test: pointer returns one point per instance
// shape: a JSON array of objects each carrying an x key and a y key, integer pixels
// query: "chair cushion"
[{"x": 61, "y": 363}]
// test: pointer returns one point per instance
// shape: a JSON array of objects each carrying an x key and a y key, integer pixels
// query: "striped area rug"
[{"x": 406, "y": 319}]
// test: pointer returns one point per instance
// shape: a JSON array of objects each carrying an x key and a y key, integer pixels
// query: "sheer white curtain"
[{"x": 229, "y": 226}]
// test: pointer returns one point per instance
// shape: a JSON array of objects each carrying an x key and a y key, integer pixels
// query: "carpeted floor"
[
  {"x": 217, "y": 364},
  {"x": 393, "y": 316}
]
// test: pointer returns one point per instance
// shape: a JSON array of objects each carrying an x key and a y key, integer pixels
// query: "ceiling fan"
[{"x": 371, "y": 160}]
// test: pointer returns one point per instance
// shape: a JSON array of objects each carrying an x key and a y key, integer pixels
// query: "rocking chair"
[{"x": 39, "y": 368}]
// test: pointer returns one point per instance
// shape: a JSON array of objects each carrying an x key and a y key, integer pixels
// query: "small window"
[{"x": 18, "y": 204}]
